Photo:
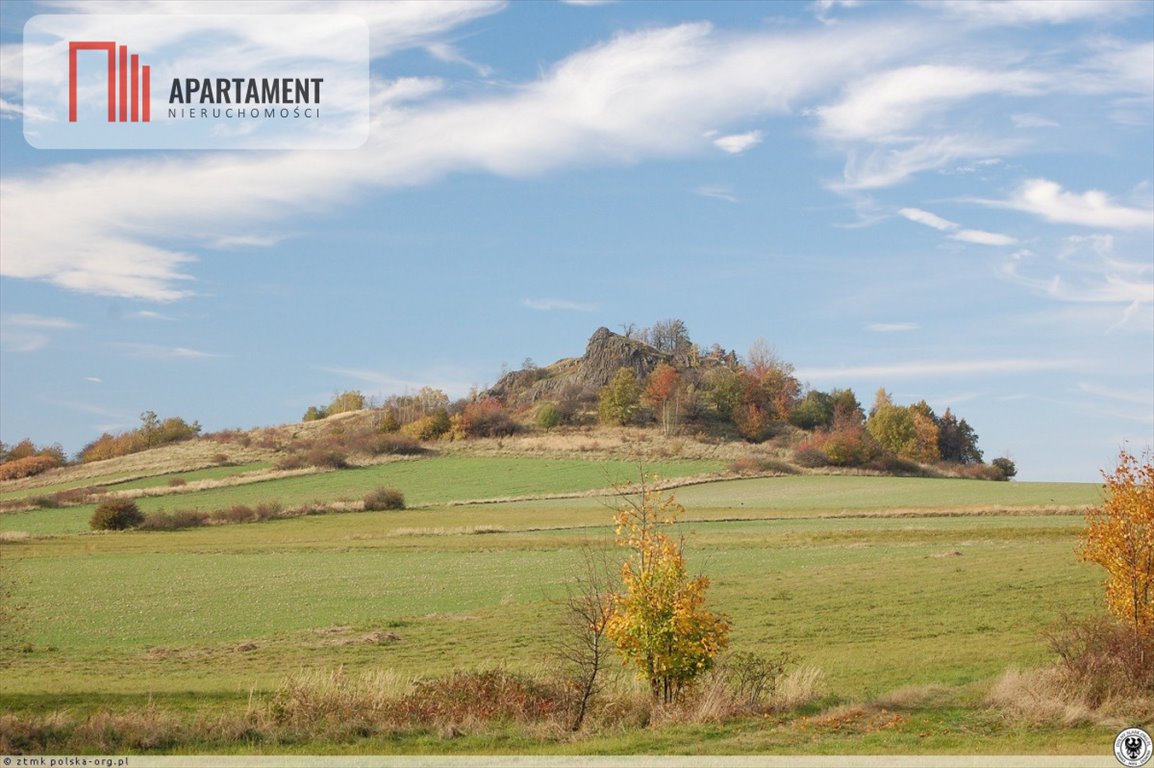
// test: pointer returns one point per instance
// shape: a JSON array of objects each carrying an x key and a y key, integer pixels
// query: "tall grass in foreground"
[{"x": 332, "y": 706}]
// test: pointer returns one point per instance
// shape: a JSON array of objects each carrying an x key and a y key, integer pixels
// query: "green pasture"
[
  {"x": 118, "y": 481},
  {"x": 423, "y": 481},
  {"x": 951, "y": 592}
]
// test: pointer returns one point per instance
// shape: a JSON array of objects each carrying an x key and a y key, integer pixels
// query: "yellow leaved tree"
[
  {"x": 660, "y": 623},
  {"x": 1120, "y": 538}
]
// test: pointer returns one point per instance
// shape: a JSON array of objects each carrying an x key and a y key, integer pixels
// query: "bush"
[
  {"x": 116, "y": 515},
  {"x": 28, "y": 466},
  {"x": 1005, "y": 467},
  {"x": 175, "y": 521},
  {"x": 429, "y": 427},
  {"x": 758, "y": 465},
  {"x": 242, "y": 513},
  {"x": 810, "y": 456},
  {"x": 384, "y": 498},
  {"x": 548, "y": 416},
  {"x": 1102, "y": 660}
]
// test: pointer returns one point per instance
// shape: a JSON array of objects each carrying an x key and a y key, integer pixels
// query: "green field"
[{"x": 882, "y": 583}]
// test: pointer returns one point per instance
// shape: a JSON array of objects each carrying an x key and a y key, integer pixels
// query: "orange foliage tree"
[
  {"x": 660, "y": 623},
  {"x": 662, "y": 391},
  {"x": 1120, "y": 538}
]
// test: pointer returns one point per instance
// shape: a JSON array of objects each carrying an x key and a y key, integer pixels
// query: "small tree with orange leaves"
[
  {"x": 1120, "y": 538},
  {"x": 660, "y": 623}
]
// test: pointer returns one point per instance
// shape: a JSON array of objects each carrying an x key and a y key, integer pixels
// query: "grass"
[
  {"x": 941, "y": 598},
  {"x": 423, "y": 481}
]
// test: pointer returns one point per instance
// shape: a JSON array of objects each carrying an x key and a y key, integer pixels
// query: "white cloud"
[
  {"x": 451, "y": 382},
  {"x": 888, "y": 166},
  {"x": 451, "y": 55},
  {"x": 1021, "y": 12},
  {"x": 22, "y": 341},
  {"x": 550, "y": 305},
  {"x": 94, "y": 379},
  {"x": 1093, "y": 208},
  {"x": 647, "y": 94},
  {"x": 888, "y": 106},
  {"x": 977, "y": 236},
  {"x": 927, "y": 218},
  {"x": 981, "y": 237},
  {"x": 25, "y": 320},
  {"x": 737, "y": 143},
  {"x": 26, "y": 332},
  {"x": 1087, "y": 270},
  {"x": 892, "y": 327},
  {"x": 161, "y": 352},
  {"x": 717, "y": 193},
  {"x": 1030, "y": 120},
  {"x": 944, "y": 368}
]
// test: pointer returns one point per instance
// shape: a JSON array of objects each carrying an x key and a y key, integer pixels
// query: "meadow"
[{"x": 912, "y": 596}]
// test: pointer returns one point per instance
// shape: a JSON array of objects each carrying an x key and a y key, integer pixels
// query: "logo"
[
  {"x": 1133, "y": 747},
  {"x": 201, "y": 81},
  {"x": 139, "y": 98}
]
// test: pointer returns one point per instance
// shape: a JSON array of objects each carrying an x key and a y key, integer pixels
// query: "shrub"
[
  {"x": 389, "y": 444},
  {"x": 27, "y": 467},
  {"x": 484, "y": 418},
  {"x": 242, "y": 513},
  {"x": 753, "y": 465},
  {"x": 1102, "y": 660},
  {"x": 810, "y": 456},
  {"x": 548, "y": 416},
  {"x": 116, "y": 515},
  {"x": 174, "y": 521},
  {"x": 429, "y": 427},
  {"x": 487, "y": 696},
  {"x": 384, "y": 498},
  {"x": 1005, "y": 466}
]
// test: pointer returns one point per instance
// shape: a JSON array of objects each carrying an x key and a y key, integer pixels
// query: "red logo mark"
[{"x": 139, "y": 97}]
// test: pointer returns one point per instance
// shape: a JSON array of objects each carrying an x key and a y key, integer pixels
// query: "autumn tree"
[
  {"x": 660, "y": 623},
  {"x": 663, "y": 394},
  {"x": 620, "y": 398},
  {"x": 1120, "y": 538}
]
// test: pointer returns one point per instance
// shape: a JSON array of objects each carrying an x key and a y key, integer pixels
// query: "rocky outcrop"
[{"x": 605, "y": 354}]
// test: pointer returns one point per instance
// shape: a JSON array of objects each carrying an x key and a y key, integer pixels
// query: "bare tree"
[{"x": 581, "y": 646}]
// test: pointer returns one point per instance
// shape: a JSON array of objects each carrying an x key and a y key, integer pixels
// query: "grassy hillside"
[{"x": 912, "y": 596}]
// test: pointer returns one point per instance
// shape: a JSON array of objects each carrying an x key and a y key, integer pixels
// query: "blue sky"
[{"x": 951, "y": 200}]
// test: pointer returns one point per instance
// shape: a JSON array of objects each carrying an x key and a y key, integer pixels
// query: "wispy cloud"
[
  {"x": 26, "y": 332},
  {"x": 944, "y": 368},
  {"x": 452, "y": 383},
  {"x": 1025, "y": 12},
  {"x": 892, "y": 327},
  {"x": 1030, "y": 120},
  {"x": 552, "y": 305},
  {"x": 652, "y": 93},
  {"x": 24, "y": 320},
  {"x": 162, "y": 352},
  {"x": 450, "y": 54},
  {"x": 980, "y": 237},
  {"x": 1086, "y": 269},
  {"x": 1094, "y": 208},
  {"x": 928, "y": 219},
  {"x": 737, "y": 143},
  {"x": 717, "y": 193},
  {"x": 886, "y": 107}
]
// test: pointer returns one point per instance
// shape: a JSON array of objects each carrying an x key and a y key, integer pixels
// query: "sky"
[{"x": 951, "y": 200}]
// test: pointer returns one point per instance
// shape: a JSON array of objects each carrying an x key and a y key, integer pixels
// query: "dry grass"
[
  {"x": 1038, "y": 697},
  {"x": 916, "y": 696},
  {"x": 1047, "y": 697}
]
